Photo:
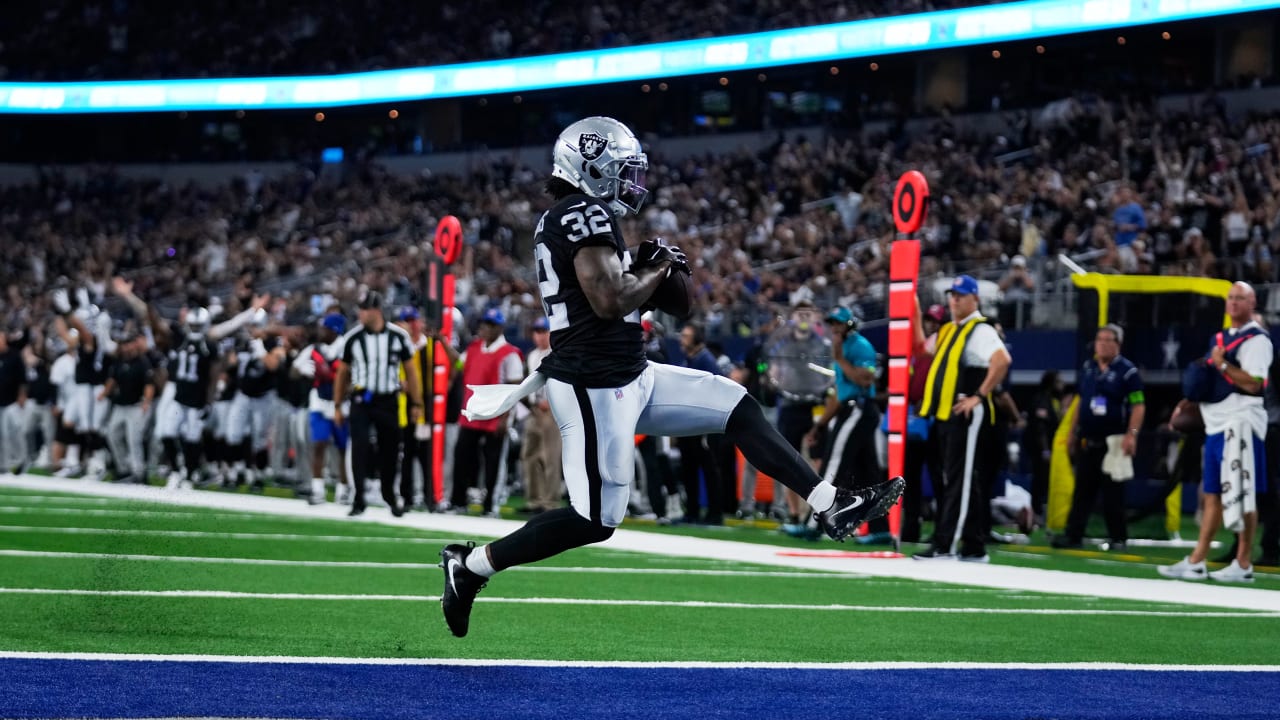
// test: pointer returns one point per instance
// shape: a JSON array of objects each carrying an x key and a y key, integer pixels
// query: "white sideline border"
[
  {"x": 1206, "y": 593},
  {"x": 626, "y": 664}
]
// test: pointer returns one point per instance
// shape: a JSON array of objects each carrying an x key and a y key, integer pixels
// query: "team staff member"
[
  {"x": 488, "y": 360},
  {"x": 1235, "y": 423},
  {"x": 698, "y": 452},
  {"x": 1111, "y": 405},
  {"x": 319, "y": 362},
  {"x": 540, "y": 452},
  {"x": 791, "y": 354},
  {"x": 922, "y": 443},
  {"x": 850, "y": 459},
  {"x": 417, "y": 436},
  {"x": 13, "y": 397},
  {"x": 969, "y": 363},
  {"x": 369, "y": 376},
  {"x": 131, "y": 388}
]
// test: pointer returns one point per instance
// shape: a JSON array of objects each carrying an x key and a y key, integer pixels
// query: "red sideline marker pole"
[
  {"x": 910, "y": 203},
  {"x": 448, "y": 245}
]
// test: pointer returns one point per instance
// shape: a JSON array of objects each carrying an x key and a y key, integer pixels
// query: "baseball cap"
[
  {"x": 964, "y": 285},
  {"x": 937, "y": 312},
  {"x": 1019, "y": 261},
  {"x": 407, "y": 313},
  {"x": 495, "y": 316},
  {"x": 371, "y": 301},
  {"x": 840, "y": 314},
  {"x": 541, "y": 323},
  {"x": 335, "y": 322}
]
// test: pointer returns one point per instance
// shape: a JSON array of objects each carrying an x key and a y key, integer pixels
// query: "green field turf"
[{"x": 380, "y": 586}]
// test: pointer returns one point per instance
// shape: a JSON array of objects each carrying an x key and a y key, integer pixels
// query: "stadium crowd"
[
  {"x": 805, "y": 218},
  {"x": 145, "y": 39}
]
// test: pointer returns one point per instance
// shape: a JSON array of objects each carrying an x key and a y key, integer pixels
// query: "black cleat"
[
  {"x": 460, "y": 587},
  {"x": 854, "y": 507}
]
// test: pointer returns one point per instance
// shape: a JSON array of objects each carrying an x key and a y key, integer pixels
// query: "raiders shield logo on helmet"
[{"x": 591, "y": 145}]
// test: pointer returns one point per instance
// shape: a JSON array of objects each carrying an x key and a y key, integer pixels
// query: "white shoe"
[
  {"x": 674, "y": 508},
  {"x": 1184, "y": 569},
  {"x": 1233, "y": 573},
  {"x": 342, "y": 494},
  {"x": 173, "y": 481},
  {"x": 317, "y": 496}
]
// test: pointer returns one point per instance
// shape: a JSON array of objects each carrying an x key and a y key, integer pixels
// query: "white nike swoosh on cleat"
[
  {"x": 857, "y": 501},
  {"x": 453, "y": 565}
]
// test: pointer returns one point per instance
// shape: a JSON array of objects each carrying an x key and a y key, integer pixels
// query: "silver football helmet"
[
  {"x": 602, "y": 158},
  {"x": 197, "y": 322}
]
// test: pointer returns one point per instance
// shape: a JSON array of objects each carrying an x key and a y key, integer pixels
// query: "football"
[{"x": 674, "y": 295}]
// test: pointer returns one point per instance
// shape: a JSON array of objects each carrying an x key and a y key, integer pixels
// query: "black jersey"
[
  {"x": 586, "y": 349},
  {"x": 92, "y": 366},
  {"x": 190, "y": 368},
  {"x": 13, "y": 375},
  {"x": 255, "y": 380},
  {"x": 294, "y": 390},
  {"x": 39, "y": 389},
  {"x": 231, "y": 377}
]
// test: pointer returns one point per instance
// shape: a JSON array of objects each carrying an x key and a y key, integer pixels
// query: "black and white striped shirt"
[{"x": 374, "y": 358}]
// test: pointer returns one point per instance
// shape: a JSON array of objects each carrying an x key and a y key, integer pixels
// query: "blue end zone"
[{"x": 100, "y": 688}]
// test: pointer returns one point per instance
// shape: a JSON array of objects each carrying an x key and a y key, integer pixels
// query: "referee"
[{"x": 369, "y": 376}]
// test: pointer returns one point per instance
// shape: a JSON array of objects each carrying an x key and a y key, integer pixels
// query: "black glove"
[{"x": 652, "y": 252}]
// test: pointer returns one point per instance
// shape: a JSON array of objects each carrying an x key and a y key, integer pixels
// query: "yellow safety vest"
[
  {"x": 424, "y": 378},
  {"x": 945, "y": 373}
]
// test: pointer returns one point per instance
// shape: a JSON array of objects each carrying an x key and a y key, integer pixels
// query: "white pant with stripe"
[
  {"x": 251, "y": 417},
  {"x": 598, "y": 428},
  {"x": 13, "y": 435},
  {"x": 85, "y": 412}
]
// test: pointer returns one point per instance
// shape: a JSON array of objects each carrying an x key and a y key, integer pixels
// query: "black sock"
[
  {"x": 547, "y": 534},
  {"x": 191, "y": 454},
  {"x": 171, "y": 452},
  {"x": 767, "y": 450}
]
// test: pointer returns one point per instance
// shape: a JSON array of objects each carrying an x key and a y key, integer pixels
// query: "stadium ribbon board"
[{"x": 822, "y": 43}]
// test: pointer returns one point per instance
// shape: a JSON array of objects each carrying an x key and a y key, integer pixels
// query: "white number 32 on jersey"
[{"x": 595, "y": 221}]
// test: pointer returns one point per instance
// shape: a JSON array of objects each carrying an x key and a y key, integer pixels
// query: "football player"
[
  {"x": 191, "y": 368},
  {"x": 249, "y": 419},
  {"x": 87, "y": 411},
  {"x": 602, "y": 389}
]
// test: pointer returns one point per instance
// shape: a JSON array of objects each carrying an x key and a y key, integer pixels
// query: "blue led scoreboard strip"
[{"x": 823, "y": 43}]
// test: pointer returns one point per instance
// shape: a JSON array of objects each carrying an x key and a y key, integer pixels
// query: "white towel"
[
  {"x": 1239, "y": 497},
  {"x": 491, "y": 401},
  {"x": 1115, "y": 463}
]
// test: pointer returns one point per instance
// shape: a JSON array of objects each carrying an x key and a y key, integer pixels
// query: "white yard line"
[
  {"x": 796, "y": 607},
  {"x": 627, "y": 664},
  {"x": 462, "y": 527},
  {"x": 51, "y": 555},
  {"x": 40, "y": 529},
  {"x": 174, "y": 514}
]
